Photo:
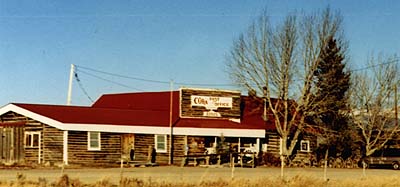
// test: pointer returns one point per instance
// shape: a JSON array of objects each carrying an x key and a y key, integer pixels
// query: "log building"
[{"x": 132, "y": 126}]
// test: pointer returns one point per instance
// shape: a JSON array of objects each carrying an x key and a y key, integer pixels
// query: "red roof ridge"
[
  {"x": 49, "y": 105},
  {"x": 131, "y": 93},
  {"x": 24, "y": 105}
]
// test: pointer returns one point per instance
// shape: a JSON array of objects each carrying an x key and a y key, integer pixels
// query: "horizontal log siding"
[
  {"x": 52, "y": 145},
  {"x": 188, "y": 111},
  {"x": 179, "y": 148},
  {"x": 273, "y": 145},
  {"x": 143, "y": 141},
  {"x": 79, "y": 154}
]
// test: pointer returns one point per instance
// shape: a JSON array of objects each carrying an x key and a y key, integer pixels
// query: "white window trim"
[
  {"x": 32, "y": 133},
  {"x": 305, "y": 142},
  {"x": 90, "y": 148},
  {"x": 165, "y": 143}
]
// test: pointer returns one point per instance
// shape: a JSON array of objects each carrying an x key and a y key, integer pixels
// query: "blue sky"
[{"x": 185, "y": 41}]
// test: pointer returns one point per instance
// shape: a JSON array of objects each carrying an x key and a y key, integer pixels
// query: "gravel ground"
[{"x": 172, "y": 173}]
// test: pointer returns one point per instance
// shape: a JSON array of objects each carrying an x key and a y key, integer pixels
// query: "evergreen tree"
[{"x": 332, "y": 82}]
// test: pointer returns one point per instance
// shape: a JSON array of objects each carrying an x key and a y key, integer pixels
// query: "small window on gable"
[
  {"x": 305, "y": 145},
  {"x": 32, "y": 139},
  {"x": 94, "y": 143},
  {"x": 160, "y": 143}
]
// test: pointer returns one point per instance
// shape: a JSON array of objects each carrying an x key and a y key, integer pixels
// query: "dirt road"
[{"x": 171, "y": 173}]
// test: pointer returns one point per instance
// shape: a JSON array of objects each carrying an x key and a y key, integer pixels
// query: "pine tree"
[{"x": 332, "y": 82}]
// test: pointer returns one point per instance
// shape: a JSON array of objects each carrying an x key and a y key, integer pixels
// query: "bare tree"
[
  {"x": 374, "y": 103},
  {"x": 279, "y": 61}
]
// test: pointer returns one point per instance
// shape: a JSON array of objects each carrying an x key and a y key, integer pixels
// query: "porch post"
[
  {"x": 65, "y": 148},
  {"x": 239, "y": 146},
  {"x": 258, "y": 145}
]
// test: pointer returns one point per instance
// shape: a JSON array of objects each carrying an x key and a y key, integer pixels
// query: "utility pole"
[
  {"x": 395, "y": 105},
  {"x": 69, "y": 96},
  {"x": 71, "y": 76},
  {"x": 170, "y": 160}
]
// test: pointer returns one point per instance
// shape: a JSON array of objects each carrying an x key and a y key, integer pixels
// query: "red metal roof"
[
  {"x": 90, "y": 115},
  {"x": 148, "y": 109},
  {"x": 139, "y": 101},
  {"x": 252, "y": 113}
]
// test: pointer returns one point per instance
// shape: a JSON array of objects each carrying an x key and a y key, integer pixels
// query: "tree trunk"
[
  {"x": 364, "y": 164},
  {"x": 282, "y": 166},
  {"x": 326, "y": 165}
]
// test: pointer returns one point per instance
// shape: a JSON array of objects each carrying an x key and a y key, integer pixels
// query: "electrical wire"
[
  {"x": 82, "y": 88},
  {"x": 107, "y": 80},
  {"x": 78, "y": 69},
  {"x": 376, "y": 65},
  {"x": 150, "y": 80},
  {"x": 122, "y": 76}
]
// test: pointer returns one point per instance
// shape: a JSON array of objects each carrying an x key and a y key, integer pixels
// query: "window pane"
[
  {"x": 161, "y": 146},
  {"x": 35, "y": 142},
  {"x": 94, "y": 140},
  {"x": 160, "y": 142},
  {"x": 28, "y": 140},
  {"x": 94, "y": 144}
]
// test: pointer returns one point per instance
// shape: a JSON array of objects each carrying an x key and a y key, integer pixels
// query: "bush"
[{"x": 270, "y": 159}]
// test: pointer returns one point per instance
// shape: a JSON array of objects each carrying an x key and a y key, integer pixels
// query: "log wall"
[
  {"x": 52, "y": 145},
  {"x": 79, "y": 154},
  {"x": 144, "y": 141}
]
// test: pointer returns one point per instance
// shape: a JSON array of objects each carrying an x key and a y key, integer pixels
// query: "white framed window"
[
  {"x": 94, "y": 141},
  {"x": 160, "y": 142},
  {"x": 305, "y": 145},
  {"x": 32, "y": 139}
]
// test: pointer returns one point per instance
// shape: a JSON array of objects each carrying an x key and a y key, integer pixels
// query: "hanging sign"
[{"x": 211, "y": 103}]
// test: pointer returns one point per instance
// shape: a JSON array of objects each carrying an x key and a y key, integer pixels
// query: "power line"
[
  {"x": 123, "y": 76},
  {"x": 82, "y": 88},
  {"x": 376, "y": 65},
  {"x": 181, "y": 83},
  {"x": 107, "y": 80},
  {"x": 150, "y": 80}
]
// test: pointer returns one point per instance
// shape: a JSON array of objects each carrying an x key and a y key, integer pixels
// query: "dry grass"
[{"x": 296, "y": 181}]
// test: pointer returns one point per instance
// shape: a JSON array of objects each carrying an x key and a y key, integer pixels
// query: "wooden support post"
[
  {"x": 230, "y": 159},
  {"x": 241, "y": 159},
  {"x": 253, "y": 160},
  {"x": 65, "y": 147},
  {"x": 122, "y": 169},
  {"x": 233, "y": 168}
]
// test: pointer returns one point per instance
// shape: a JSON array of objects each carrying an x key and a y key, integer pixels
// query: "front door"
[
  {"x": 128, "y": 146},
  {"x": 11, "y": 144}
]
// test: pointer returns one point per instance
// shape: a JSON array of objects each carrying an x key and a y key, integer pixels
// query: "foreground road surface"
[{"x": 172, "y": 173}]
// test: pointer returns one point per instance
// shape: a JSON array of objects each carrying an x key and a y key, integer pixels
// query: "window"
[
  {"x": 94, "y": 142},
  {"x": 305, "y": 145},
  {"x": 32, "y": 139},
  {"x": 161, "y": 143}
]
